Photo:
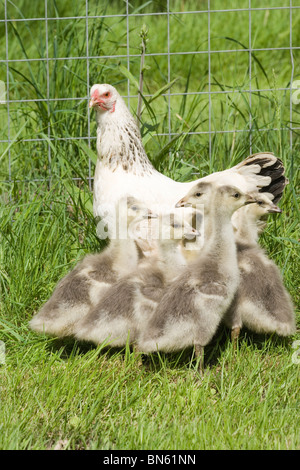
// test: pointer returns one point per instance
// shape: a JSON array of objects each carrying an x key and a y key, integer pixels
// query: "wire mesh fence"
[{"x": 234, "y": 66}]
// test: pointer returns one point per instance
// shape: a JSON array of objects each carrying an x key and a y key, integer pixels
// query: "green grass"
[{"x": 62, "y": 393}]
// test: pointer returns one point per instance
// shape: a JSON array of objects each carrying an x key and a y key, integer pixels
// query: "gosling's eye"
[
  {"x": 176, "y": 225},
  {"x": 260, "y": 203},
  {"x": 198, "y": 194},
  {"x": 134, "y": 208},
  {"x": 236, "y": 195}
]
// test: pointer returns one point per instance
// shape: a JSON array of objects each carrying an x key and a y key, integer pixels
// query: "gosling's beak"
[
  {"x": 92, "y": 103},
  {"x": 183, "y": 203},
  {"x": 250, "y": 199},
  {"x": 191, "y": 234},
  {"x": 274, "y": 209}
]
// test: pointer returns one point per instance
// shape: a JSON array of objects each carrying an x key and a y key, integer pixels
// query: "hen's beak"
[
  {"x": 92, "y": 103},
  {"x": 274, "y": 209}
]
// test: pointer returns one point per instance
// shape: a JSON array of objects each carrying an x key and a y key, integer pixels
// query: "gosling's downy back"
[{"x": 262, "y": 302}]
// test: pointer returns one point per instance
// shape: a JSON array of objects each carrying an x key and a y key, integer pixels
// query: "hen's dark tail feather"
[
  {"x": 273, "y": 167},
  {"x": 276, "y": 188}
]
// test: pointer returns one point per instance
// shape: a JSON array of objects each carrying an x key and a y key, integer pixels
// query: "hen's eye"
[{"x": 106, "y": 94}]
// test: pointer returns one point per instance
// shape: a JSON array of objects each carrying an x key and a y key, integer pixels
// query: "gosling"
[
  {"x": 91, "y": 278},
  {"x": 261, "y": 304},
  {"x": 194, "y": 304},
  {"x": 122, "y": 312}
]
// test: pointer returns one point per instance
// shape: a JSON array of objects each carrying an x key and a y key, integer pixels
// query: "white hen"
[{"x": 124, "y": 168}]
